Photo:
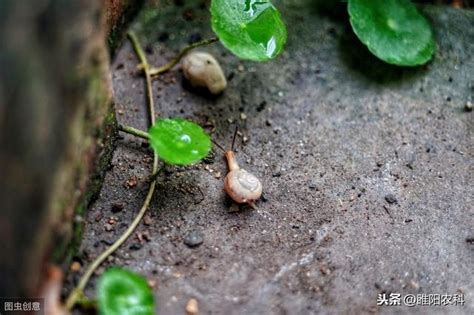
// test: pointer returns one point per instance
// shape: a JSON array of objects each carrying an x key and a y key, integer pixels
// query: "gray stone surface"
[{"x": 366, "y": 168}]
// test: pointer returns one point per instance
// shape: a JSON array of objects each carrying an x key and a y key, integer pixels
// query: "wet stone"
[
  {"x": 135, "y": 246},
  {"x": 390, "y": 198},
  {"x": 194, "y": 238},
  {"x": 312, "y": 185},
  {"x": 468, "y": 106}
]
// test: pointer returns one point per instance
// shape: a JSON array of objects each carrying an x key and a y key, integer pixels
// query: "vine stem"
[
  {"x": 78, "y": 291},
  {"x": 146, "y": 68},
  {"x": 134, "y": 131},
  {"x": 184, "y": 51}
]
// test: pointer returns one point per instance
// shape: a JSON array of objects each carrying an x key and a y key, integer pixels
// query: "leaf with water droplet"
[
  {"x": 123, "y": 292},
  {"x": 251, "y": 29},
  {"x": 178, "y": 141},
  {"x": 393, "y": 30}
]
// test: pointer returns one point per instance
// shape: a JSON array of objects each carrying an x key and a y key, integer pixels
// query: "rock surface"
[
  {"x": 346, "y": 131},
  {"x": 57, "y": 129}
]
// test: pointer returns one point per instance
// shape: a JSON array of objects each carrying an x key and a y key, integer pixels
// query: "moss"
[
  {"x": 97, "y": 143},
  {"x": 68, "y": 248}
]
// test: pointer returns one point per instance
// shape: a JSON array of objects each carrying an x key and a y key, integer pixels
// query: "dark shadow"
[
  {"x": 356, "y": 56},
  {"x": 201, "y": 91},
  {"x": 334, "y": 10}
]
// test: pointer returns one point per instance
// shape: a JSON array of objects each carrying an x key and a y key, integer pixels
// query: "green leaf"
[
  {"x": 251, "y": 29},
  {"x": 178, "y": 141},
  {"x": 393, "y": 30},
  {"x": 122, "y": 292}
]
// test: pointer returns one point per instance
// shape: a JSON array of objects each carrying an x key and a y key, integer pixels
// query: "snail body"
[{"x": 240, "y": 185}]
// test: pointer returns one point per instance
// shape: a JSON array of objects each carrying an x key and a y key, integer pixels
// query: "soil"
[{"x": 366, "y": 169}]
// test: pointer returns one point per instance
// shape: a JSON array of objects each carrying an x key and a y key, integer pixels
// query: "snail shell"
[
  {"x": 242, "y": 186},
  {"x": 203, "y": 70}
]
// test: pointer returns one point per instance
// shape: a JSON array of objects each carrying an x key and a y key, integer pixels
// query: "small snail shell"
[
  {"x": 240, "y": 185},
  {"x": 203, "y": 70}
]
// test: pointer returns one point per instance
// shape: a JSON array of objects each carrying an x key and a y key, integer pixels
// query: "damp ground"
[{"x": 366, "y": 169}]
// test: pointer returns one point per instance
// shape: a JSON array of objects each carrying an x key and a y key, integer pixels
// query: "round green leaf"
[
  {"x": 178, "y": 141},
  {"x": 393, "y": 30},
  {"x": 251, "y": 29},
  {"x": 122, "y": 292}
]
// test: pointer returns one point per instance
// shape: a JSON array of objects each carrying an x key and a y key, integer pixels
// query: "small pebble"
[
  {"x": 203, "y": 70},
  {"x": 192, "y": 307},
  {"x": 151, "y": 283},
  {"x": 468, "y": 106},
  {"x": 132, "y": 182},
  {"x": 414, "y": 284},
  {"x": 325, "y": 270},
  {"x": 135, "y": 246},
  {"x": 277, "y": 172},
  {"x": 75, "y": 266},
  {"x": 147, "y": 220},
  {"x": 99, "y": 217},
  {"x": 312, "y": 184},
  {"x": 390, "y": 198},
  {"x": 234, "y": 208},
  {"x": 143, "y": 236},
  {"x": 243, "y": 116},
  {"x": 194, "y": 238}
]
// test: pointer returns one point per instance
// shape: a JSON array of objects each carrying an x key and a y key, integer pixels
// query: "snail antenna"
[
  {"x": 218, "y": 145},
  {"x": 235, "y": 135}
]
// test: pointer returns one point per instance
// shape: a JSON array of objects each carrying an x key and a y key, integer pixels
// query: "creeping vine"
[{"x": 77, "y": 294}]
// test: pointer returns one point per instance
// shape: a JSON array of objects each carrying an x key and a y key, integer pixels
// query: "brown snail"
[{"x": 240, "y": 185}]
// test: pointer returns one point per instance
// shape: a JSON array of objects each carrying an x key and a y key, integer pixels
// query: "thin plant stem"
[
  {"x": 146, "y": 68},
  {"x": 78, "y": 292},
  {"x": 134, "y": 131},
  {"x": 172, "y": 63}
]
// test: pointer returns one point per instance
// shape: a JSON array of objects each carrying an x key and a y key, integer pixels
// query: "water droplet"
[
  {"x": 253, "y": 7},
  {"x": 185, "y": 138},
  {"x": 392, "y": 24},
  {"x": 265, "y": 37},
  {"x": 271, "y": 46}
]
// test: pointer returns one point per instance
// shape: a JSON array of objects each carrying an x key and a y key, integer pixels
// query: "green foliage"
[
  {"x": 178, "y": 141},
  {"x": 393, "y": 30},
  {"x": 122, "y": 292},
  {"x": 251, "y": 29}
]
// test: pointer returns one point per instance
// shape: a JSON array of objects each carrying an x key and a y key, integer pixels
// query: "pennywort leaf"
[
  {"x": 393, "y": 30},
  {"x": 122, "y": 292},
  {"x": 178, "y": 141},
  {"x": 251, "y": 29}
]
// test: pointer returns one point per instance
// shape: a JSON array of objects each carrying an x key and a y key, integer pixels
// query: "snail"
[
  {"x": 202, "y": 70},
  {"x": 240, "y": 185}
]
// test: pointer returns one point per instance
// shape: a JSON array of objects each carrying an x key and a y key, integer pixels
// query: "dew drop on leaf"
[
  {"x": 178, "y": 141},
  {"x": 251, "y": 29}
]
